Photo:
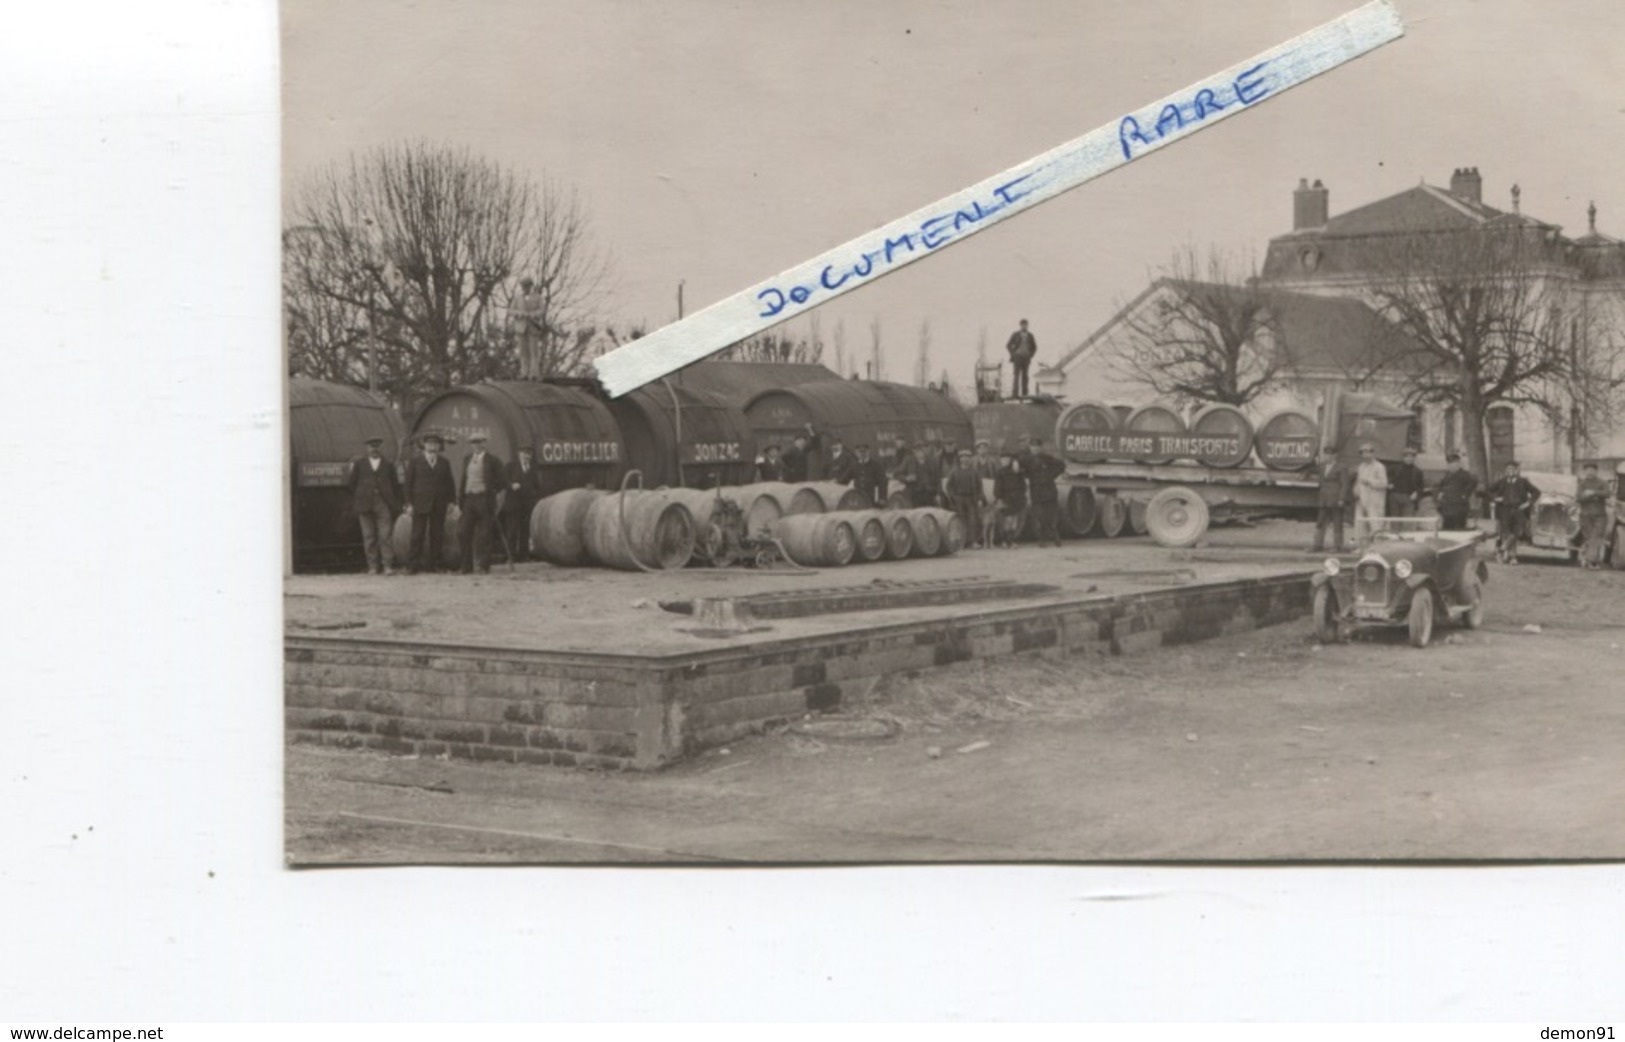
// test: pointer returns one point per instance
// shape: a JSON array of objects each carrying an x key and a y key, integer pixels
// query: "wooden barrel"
[
  {"x": 952, "y": 527},
  {"x": 1136, "y": 516},
  {"x": 899, "y": 534},
  {"x": 450, "y": 554},
  {"x": 927, "y": 532},
  {"x": 1221, "y": 436},
  {"x": 1087, "y": 432},
  {"x": 898, "y": 500},
  {"x": 805, "y": 499},
  {"x": 556, "y": 523},
  {"x": 817, "y": 540},
  {"x": 1113, "y": 515},
  {"x": 1078, "y": 510},
  {"x": 658, "y": 531},
  {"x": 762, "y": 503},
  {"x": 871, "y": 534},
  {"x": 835, "y": 496},
  {"x": 1144, "y": 429},
  {"x": 1288, "y": 440}
]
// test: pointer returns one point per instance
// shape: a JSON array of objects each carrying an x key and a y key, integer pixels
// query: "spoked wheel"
[
  {"x": 1113, "y": 516},
  {"x": 1472, "y": 592},
  {"x": 1327, "y": 627},
  {"x": 1176, "y": 517},
  {"x": 1421, "y": 618}
]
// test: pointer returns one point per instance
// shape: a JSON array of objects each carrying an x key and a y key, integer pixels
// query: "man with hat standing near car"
[
  {"x": 430, "y": 489},
  {"x": 375, "y": 496},
  {"x": 1454, "y": 494},
  {"x": 1591, "y": 493},
  {"x": 1405, "y": 483},
  {"x": 1334, "y": 483},
  {"x": 1514, "y": 497},
  {"x": 480, "y": 497},
  {"x": 524, "y": 490}
]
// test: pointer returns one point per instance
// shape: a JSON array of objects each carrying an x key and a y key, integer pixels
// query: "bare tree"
[
  {"x": 1202, "y": 335},
  {"x": 922, "y": 363},
  {"x": 423, "y": 248},
  {"x": 774, "y": 346},
  {"x": 981, "y": 346},
  {"x": 840, "y": 347},
  {"x": 1486, "y": 317},
  {"x": 877, "y": 359}
]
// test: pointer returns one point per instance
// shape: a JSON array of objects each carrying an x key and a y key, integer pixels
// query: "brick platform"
[{"x": 643, "y": 712}]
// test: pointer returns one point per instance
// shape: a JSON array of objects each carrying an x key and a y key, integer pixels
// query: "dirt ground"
[{"x": 1504, "y": 743}]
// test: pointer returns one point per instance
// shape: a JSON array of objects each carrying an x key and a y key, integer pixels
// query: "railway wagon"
[
  {"x": 576, "y": 441},
  {"x": 685, "y": 438},
  {"x": 328, "y": 425},
  {"x": 857, "y": 411}
]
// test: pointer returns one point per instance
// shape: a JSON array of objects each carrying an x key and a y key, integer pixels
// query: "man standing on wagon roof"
[{"x": 1022, "y": 346}]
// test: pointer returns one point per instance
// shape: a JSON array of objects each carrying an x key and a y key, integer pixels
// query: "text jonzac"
[{"x": 933, "y": 232}]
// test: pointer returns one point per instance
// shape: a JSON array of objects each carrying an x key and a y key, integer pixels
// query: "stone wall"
[{"x": 615, "y": 711}]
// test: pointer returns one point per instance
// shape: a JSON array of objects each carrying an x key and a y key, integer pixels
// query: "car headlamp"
[
  {"x": 1333, "y": 566},
  {"x": 1402, "y": 569}
]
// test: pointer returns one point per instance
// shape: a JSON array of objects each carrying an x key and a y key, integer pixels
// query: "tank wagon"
[
  {"x": 575, "y": 437},
  {"x": 1008, "y": 426},
  {"x": 857, "y": 411},
  {"x": 328, "y": 425},
  {"x": 685, "y": 438}
]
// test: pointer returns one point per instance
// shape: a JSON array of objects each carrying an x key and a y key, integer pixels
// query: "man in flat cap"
[
  {"x": 1042, "y": 471},
  {"x": 869, "y": 476},
  {"x": 524, "y": 490},
  {"x": 839, "y": 465},
  {"x": 430, "y": 489},
  {"x": 375, "y": 496},
  {"x": 1405, "y": 484},
  {"x": 1022, "y": 346},
  {"x": 1455, "y": 492},
  {"x": 1592, "y": 493},
  {"x": 480, "y": 496},
  {"x": 1514, "y": 497}
]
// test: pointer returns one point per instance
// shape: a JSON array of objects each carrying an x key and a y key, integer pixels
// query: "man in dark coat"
[
  {"x": 1009, "y": 500},
  {"x": 1454, "y": 495},
  {"x": 430, "y": 489},
  {"x": 1022, "y": 346},
  {"x": 1405, "y": 484},
  {"x": 375, "y": 496},
  {"x": 1041, "y": 470},
  {"x": 480, "y": 496},
  {"x": 965, "y": 497},
  {"x": 797, "y": 463},
  {"x": 1514, "y": 497},
  {"x": 869, "y": 476},
  {"x": 1336, "y": 483},
  {"x": 905, "y": 470},
  {"x": 524, "y": 480},
  {"x": 839, "y": 465},
  {"x": 769, "y": 467},
  {"x": 1592, "y": 493}
]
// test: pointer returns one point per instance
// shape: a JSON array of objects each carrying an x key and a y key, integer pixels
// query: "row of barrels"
[
  {"x": 1215, "y": 436},
  {"x": 855, "y": 536}
]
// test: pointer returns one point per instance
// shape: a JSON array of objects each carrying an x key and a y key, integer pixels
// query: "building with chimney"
[{"x": 1325, "y": 279}]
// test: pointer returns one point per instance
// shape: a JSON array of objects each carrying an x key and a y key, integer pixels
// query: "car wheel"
[
  {"x": 1327, "y": 629},
  {"x": 1421, "y": 618},
  {"x": 1472, "y": 594}
]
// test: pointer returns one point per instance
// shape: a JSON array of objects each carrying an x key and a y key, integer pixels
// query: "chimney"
[
  {"x": 1309, "y": 205},
  {"x": 1466, "y": 184}
]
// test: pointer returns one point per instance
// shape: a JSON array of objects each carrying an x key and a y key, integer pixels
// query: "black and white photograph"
[{"x": 1258, "y": 501}]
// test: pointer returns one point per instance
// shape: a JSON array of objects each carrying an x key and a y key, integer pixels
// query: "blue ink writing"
[{"x": 1249, "y": 86}]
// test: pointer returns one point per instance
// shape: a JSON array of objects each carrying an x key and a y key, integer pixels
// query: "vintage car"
[
  {"x": 1410, "y": 575},
  {"x": 1555, "y": 524}
]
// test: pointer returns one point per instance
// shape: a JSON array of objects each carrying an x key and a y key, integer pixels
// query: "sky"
[{"x": 717, "y": 143}]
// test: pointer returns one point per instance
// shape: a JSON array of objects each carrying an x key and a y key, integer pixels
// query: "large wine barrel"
[
  {"x": 328, "y": 425},
  {"x": 556, "y": 526},
  {"x": 1287, "y": 440},
  {"x": 658, "y": 531},
  {"x": 952, "y": 527},
  {"x": 804, "y": 499},
  {"x": 899, "y": 534},
  {"x": 927, "y": 532},
  {"x": 1150, "y": 422},
  {"x": 1087, "y": 432},
  {"x": 1113, "y": 515},
  {"x": 817, "y": 540},
  {"x": 871, "y": 534},
  {"x": 1136, "y": 516},
  {"x": 1221, "y": 436},
  {"x": 834, "y": 496},
  {"x": 450, "y": 554},
  {"x": 898, "y": 500},
  {"x": 857, "y": 411},
  {"x": 762, "y": 503},
  {"x": 1078, "y": 511}
]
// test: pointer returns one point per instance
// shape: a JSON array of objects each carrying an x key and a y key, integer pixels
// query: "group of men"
[
  {"x": 494, "y": 501},
  {"x": 935, "y": 474},
  {"x": 1378, "y": 490}
]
